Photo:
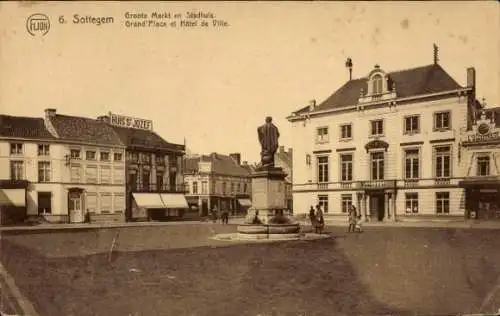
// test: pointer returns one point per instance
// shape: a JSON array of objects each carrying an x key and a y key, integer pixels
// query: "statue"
[{"x": 268, "y": 138}]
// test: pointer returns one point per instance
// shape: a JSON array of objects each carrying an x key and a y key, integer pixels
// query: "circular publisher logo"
[{"x": 38, "y": 24}]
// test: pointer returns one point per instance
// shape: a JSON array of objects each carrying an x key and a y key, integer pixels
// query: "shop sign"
[
  {"x": 130, "y": 122},
  {"x": 483, "y": 137}
]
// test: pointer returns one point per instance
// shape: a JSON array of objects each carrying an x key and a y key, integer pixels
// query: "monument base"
[{"x": 268, "y": 217}]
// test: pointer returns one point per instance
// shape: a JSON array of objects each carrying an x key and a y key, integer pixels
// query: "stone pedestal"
[
  {"x": 268, "y": 206},
  {"x": 268, "y": 194}
]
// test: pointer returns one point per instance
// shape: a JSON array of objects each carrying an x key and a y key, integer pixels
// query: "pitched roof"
[
  {"x": 23, "y": 127},
  {"x": 409, "y": 82},
  {"x": 221, "y": 164},
  {"x": 85, "y": 130},
  {"x": 132, "y": 137}
]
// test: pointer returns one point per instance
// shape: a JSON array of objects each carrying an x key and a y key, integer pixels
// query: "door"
[
  {"x": 377, "y": 207},
  {"x": 204, "y": 208},
  {"x": 75, "y": 207}
]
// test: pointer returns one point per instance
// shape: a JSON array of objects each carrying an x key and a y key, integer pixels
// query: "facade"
[
  {"x": 218, "y": 181},
  {"x": 73, "y": 167},
  {"x": 284, "y": 159},
  {"x": 388, "y": 143},
  {"x": 481, "y": 161},
  {"x": 153, "y": 170}
]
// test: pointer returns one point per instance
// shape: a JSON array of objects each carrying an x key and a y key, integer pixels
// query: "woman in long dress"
[{"x": 320, "y": 220}]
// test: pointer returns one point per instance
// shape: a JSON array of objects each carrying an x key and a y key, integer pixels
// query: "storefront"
[
  {"x": 482, "y": 198},
  {"x": 157, "y": 206},
  {"x": 13, "y": 201}
]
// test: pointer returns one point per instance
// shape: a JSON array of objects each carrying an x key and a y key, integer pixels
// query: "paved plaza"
[{"x": 180, "y": 270}]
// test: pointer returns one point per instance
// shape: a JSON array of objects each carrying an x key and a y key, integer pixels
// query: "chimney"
[
  {"x": 290, "y": 151},
  {"x": 50, "y": 113},
  {"x": 348, "y": 65},
  {"x": 436, "y": 54},
  {"x": 236, "y": 158},
  {"x": 282, "y": 149},
  {"x": 471, "y": 77},
  {"x": 103, "y": 118},
  {"x": 312, "y": 105}
]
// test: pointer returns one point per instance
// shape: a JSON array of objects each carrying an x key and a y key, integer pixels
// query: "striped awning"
[
  {"x": 148, "y": 200},
  {"x": 174, "y": 200}
]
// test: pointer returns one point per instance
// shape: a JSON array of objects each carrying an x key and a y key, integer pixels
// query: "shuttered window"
[
  {"x": 91, "y": 174},
  {"x": 119, "y": 203},
  {"x": 105, "y": 175},
  {"x": 91, "y": 202},
  {"x": 106, "y": 205},
  {"x": 118, "y": 175}
]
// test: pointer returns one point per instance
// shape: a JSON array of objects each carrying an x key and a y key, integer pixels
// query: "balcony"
[
  {"x": 410, "y": 183},
  {"x": 441, "y": 181},
  {"x": 378, "y": 184}
]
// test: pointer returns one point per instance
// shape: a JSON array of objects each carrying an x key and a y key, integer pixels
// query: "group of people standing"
[
  {"x": 317, "y": 219},
  {"x": 223, "y": 215},
  {"x": 354, "y": 219}
]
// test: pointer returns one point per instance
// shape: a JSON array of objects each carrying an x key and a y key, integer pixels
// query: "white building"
[
  {"x": 387, "y": 143},
  {"x": 66, "y": 168}
]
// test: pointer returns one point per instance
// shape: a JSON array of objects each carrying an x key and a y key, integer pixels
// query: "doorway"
[
  {"x": 204, "y": 208},
  {"x": 377, "y": 206}
]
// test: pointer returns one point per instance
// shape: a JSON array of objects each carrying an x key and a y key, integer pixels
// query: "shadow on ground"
[{"x": 289, "y": 278}]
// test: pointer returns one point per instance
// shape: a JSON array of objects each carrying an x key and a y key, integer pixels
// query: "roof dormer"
[{"x": 379, "y": 86}]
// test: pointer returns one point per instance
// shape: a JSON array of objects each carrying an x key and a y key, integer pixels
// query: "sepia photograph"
[{"x": 249, "y": 158}]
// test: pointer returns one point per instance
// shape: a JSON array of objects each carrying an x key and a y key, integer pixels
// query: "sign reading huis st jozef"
[{"x": 130, "y": 122}]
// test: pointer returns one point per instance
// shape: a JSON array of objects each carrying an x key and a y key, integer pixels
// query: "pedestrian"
[
  {"x": 214, "y": 214},
  {"x": 352, "y": 217},
  {"x": 319, "y": 220},
  {"x": 225, "y": 217},
  {"x": 359, "y": 222},
  {"x": 311, "y": 215}
]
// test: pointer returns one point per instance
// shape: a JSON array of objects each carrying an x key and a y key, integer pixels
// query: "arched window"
[{"x": 377, "y": 84}]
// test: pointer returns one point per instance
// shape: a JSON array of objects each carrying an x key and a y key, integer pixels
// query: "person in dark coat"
[
  {"x": 319, "y": 220},
  {"x": 311, "y": 215}
]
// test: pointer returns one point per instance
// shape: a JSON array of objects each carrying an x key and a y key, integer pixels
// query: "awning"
[
  {"x": 15, "y": 197},
  {"x": 192, "y": 199},
  {"x": 245, "y": 202},
  {"x": 174, "y": 200},
  {"x": 148, "y": 200}
]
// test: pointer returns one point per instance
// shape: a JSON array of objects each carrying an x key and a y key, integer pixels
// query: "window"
[
  {"x": 412, "y": 164},
  {"x": 133, "y": 157},
  {"x": 442, "y": 161},
  {"x": 346, "y": 167},
  {"x": 160, "y": 160},
  {"x": 159, "y": 181},
  {"x": 145, "y": 179},
  {"x": 223, "y": 188},
  {"x": 411, "y": 203},
  {"x": 146, "y": 158},
  {"x": 91, "y": 201},
  {"x": 322, "y": 135},
  {"x": 195, "y": 187},
  {"x": 75, "y": 173},
  {"x": 233, "y": 187},
  {"x": 442, "y": 120},
  {"x": 322, "y": 169},
  {"x": 204, "y": 187},
  {"x": 16, "y": 149},
  {"x": 16, "y": 170},
  {"x": 412, "y": 124},
  {"x": 117, "y": 156},
  {"x": 377, "y": 127},
  {"x": 104, "y": 156},
  {"x": 118, "y": 175},
  {"x": 238, "y": 187},
  {"x": 377, "y": 84},
  {"x": 377, "y": 160},
  {"x": 119, "y": 203},
  {"x": 105, "y": 204},
  {"x": 44, "y": 203},
  {"x": 442, "y": 202},
  {"x": 346, "y": 131},
  {"x": 346, "y": 202},
  {"x": 323, "y": 201},
  {"x": 75, "y": 201},
  {"x": 245, "y": 188},
  {"x": 43, "y": 171},
  {"x": 75, "y": 154},
  {"x": 90, "y": 155},
  {"x": 483, "y": 165},
  {"x": 213, "y": 187},
  {"x": 105, "y": 175},
  {"x": 43, "y": 150},
  {"x": 91, "y": 174}
]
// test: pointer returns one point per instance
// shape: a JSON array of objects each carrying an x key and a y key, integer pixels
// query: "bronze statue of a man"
[{"x": 268, "y": 138}]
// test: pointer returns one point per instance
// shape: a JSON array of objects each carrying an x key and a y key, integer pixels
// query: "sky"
[{"x": 213, "y": 86}]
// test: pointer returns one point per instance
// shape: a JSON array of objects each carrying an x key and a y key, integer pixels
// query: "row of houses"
[
  {"x": 63, "y": 168},
  {"x": 400, "y": 144},
  {"x": 71, "y": 169}
]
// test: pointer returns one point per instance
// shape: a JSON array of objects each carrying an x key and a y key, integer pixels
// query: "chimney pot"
[
  {"x": 312, "y": 105},
  {"x": 50, "y": 112},
  {"x": 471, "y": 77}
]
